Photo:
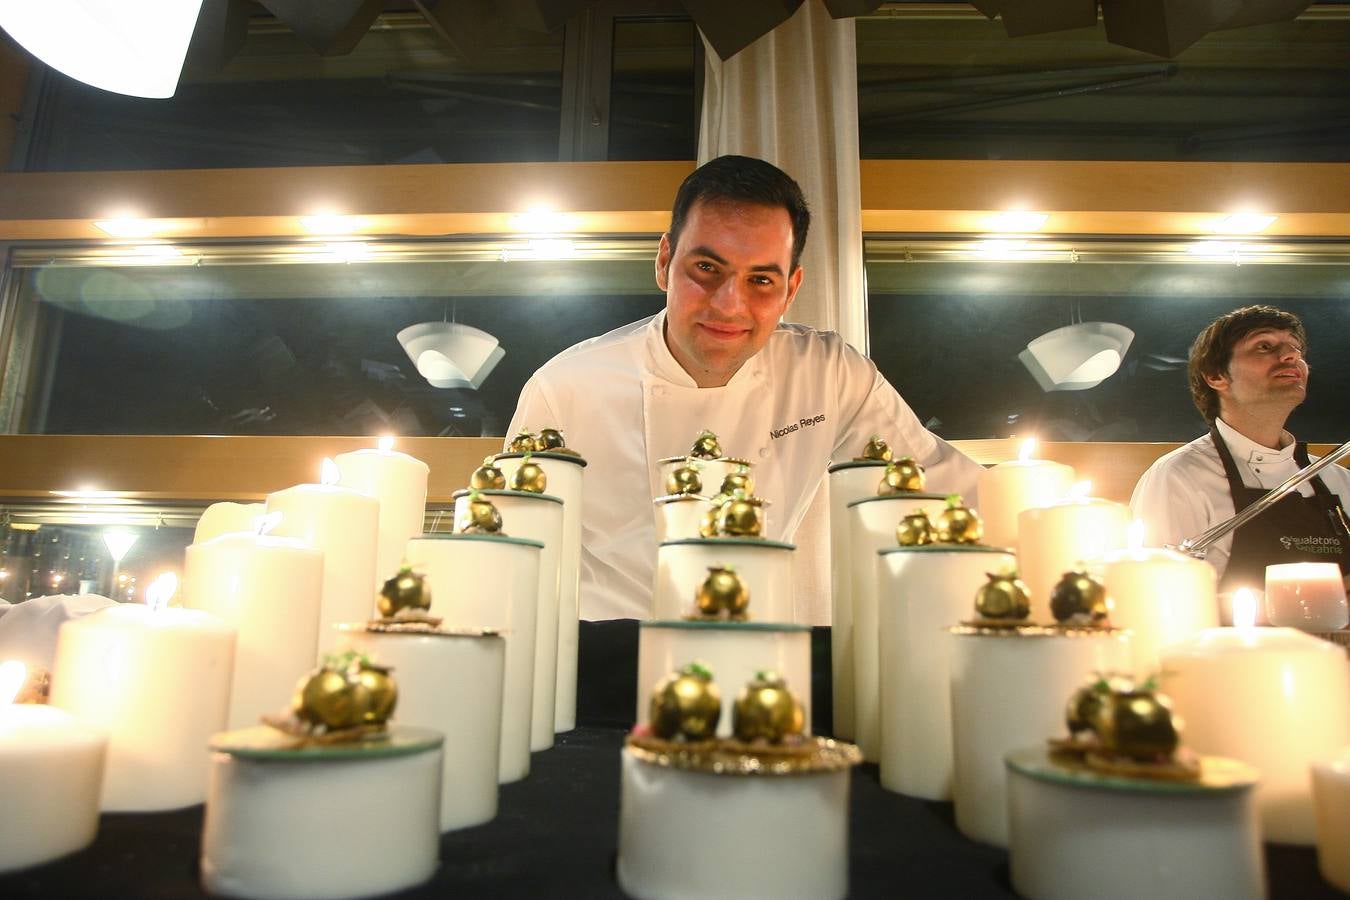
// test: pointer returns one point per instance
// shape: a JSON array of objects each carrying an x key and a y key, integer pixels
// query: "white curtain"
[{"x": 792, "y": 98}]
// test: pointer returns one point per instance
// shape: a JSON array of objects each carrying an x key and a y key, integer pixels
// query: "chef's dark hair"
[
  {"x": 741, "y": 179},
  {"x": 1213, "y": 348}
]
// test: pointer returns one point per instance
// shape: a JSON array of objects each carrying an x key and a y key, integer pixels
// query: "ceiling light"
[
  {"x": 451, "y": 355},
  {"x": 327, "y": 223},
  {"x": 1076, "y": 357},
  {"x": 542, "y": 221},
  {"x": 119, "y": 542},
  {"x": 1016, "y": 221},
  {"x": 127, "y": 48},
  {"x": 1244, "y": 223},
  {"x": 128, "y": 227}
]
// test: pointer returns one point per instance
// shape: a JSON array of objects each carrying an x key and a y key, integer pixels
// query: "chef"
[
  {"x": 788, "y": 397},
  {"x": 1248, "y": 372}
]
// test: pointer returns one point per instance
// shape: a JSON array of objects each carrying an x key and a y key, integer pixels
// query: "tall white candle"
[
  {"x": 157, "y": 681},
  {"x": 1005, "y": 490},
  {"x": 1307, "y": 596},
  {"x": 226, "y": 518},
  {"x": 1052, "y": 540},
  {"x": 51, "y": 769},
  {"x": 1331, "y": 799},
  {"x": 268, "y": 588},
  {"x": 399, "y": 483},
  {"x": 1161, "y": 596},
  {"x": 1275, "y": 698},
  {"x": 344, "y": 524}
]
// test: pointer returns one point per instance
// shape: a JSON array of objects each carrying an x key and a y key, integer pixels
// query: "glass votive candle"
[{"x": 1308, "y": 596}]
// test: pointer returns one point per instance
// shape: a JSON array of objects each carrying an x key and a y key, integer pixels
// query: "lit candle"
[
  {"x": 1010, "y": 487},
  {"x": 157, "y": 681},
  {"x": 51, "y": 770},
  {"x": 1160, "y": 595},
  {"x": 399, "y": 482},
  {"x": 1054, "y": 539},
  {"x": 1331, "y": 799},
  {"x": 344, "y": 524},
  {"x": 226, "y": 518},
  {"x": 1275, "y": 698},
  {"x": 268, "y": 588},
  {"x": 1308, "y": 596}
]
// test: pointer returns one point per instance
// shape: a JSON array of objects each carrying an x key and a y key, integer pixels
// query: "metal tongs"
[{"x": 1197, "y": 546}]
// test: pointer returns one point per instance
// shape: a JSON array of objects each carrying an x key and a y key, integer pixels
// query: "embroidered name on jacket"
[{"x": 776, "y": 433}]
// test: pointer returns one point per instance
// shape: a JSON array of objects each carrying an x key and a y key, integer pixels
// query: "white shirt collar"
[
  {"x": 1244, "y": 448},
  {"x": 665, "y": 366}
]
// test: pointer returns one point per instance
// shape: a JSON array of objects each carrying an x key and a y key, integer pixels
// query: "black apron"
[{"x": 1296, "y": 529}]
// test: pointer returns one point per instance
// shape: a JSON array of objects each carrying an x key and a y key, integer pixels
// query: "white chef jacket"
[
  {"x": 1186, "y": 492},
  {"x": 623, "y": 403}
]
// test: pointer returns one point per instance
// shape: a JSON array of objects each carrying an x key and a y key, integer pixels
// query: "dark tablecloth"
[{"x": 556, "y": 831}]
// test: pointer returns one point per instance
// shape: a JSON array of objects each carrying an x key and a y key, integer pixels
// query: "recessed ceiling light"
[
  {"x": 128, "y": 228},
  {"x": 542, "y": 221},
  {"x": 328, "y": 223},
  {"x": 1244, "y": 223},
  {"x": 1016, "y": 221}
]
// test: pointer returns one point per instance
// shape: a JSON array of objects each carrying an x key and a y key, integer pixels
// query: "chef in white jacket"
[{"x": 786, "y": 396}]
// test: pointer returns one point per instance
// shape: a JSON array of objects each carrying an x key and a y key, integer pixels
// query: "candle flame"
[
  {"x": 1080, "y": 490},
  {"x": 161, "y": 591},
  {"x": 1028, "y": 448},
  {"x": 1244, "y": 608},
  {"x": 1136, "y": 535},
  {"x": 265, "y": 523},
  {"x": 12, "y": 676},
  {"x": 328, "y": 472},
  {"x": 386, "y": 442}
]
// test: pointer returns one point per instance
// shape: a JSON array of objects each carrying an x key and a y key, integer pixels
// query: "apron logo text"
[
  {"x": 1324, "y": 545},
  {"x": 776, "y": 433}
]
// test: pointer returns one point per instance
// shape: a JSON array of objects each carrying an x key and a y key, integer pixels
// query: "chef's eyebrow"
[
  {"x": 1265, "y": 332},
  {"x": 710, "y": 254}
]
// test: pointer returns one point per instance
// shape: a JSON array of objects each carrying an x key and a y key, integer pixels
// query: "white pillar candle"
[
  {"x": 491, "y": 581},
  {"x": 399, "y": 483},
  {"x": 872, "y": 528},
  {"x": 1307, "y": 596},
  {"x": 924, "y": 591},
  {"x": 1005, "y": 490},
  {"x": 538, "y": 517},
  {"x": 157, "y": 681},
  {"x": 1162, "y": 596},
  {"x": 565, "y": 480},
  {"x": 51, "y": 769},
  {"x": 679, "y": 516},
  {"x": 1009, "y": 691},
  {"x": 1052, "y": 540},
  {"x": 765, "y": 566},
  {"x": 344, "y": 524},
  {"x": 1275, "y": 698},
  {"x": 450, "y": 682},
  {"x": 848, "y": 481},
  {"x": 268, "y": 589},
  {"x": 1331, "y": 803},
  {"x": 226, "y": 518}
]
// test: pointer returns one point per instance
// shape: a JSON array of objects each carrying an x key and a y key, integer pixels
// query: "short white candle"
[
  {"x": 1275, "y": 698},
  {"x": 157, "y": 681},
  {"x": 1308, "y": 596},
  {"x": 1331, "y": 801},
  {"x": 226, "y": 518},
  {"x": 344, "y": 524},
  {"x": 1055, "y": 539},
  {"x": 1010, "y": 487},
  {"x": 51, "y": 770},
  {"x": 268, "y": 589},
  {"x": 1160, "y": 595},
  {"x": 399, "y": 482}
]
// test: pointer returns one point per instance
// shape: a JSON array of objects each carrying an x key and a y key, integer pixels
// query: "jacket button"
[{"x": 763, "y": 452}]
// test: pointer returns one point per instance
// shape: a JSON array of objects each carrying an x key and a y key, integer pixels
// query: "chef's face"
[
  {"x": 1267, "y": 371},
  {"x": 727, "y": 283}
]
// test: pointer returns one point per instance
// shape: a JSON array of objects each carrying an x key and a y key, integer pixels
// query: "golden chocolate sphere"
[
  {"x": 484, "y": 517},
  {"x": 958, "y": 525},
  {"x": 487, "y": 477},
  {"x": 1003, "y": 596},
  {"x": 740, "y": 517},
  {"x": 1137, "y": 724},
  {"x": 327, "y": 697},
  {"x": 877, "y": 449},
  {"x": 740, "y": 480},
  {"x": 766, "y": 710},
  {"x": 529, "y": 477},
  {"x": 706, "y": 447},
  {"x": 904, "y": 476},
  {"x": 1085, "y": 705},
  {"x": 686, "y": 704},
  {"x": 684, "y": 480},
  {"x": 723, "y": 592},
  {"x": 1079, "y": 598},
  {"x": 381, "y": 694},
  {"x": 914, "y": 530},
  {"x": 550, "y": 439},
  {"x": 707, "y": 524},
  {"x": 524, "y": 442},
  {"x": 406, "y": 590}
]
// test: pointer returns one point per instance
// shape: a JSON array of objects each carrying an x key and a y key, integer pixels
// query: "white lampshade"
[
  {"x": 1076, "y": 357},
  {"x": 128, "y": 48},
  {"x": 450, "y": 355}
]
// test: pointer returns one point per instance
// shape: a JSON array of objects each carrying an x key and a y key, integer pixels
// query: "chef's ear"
[
  {"x": 1218, "y": 380},
  {"x": 794, "y": 282},
  {"x": 663, "y": 262}
]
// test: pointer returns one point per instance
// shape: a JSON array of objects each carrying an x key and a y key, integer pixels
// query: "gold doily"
[
  {"x": 726, "y": 756},
  {"x": 303, "y": 735},
  {"x": 1183, "y": 766}
]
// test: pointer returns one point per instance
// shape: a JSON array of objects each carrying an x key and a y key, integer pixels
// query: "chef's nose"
[
  {"x": 1290, "y": 351},
  {"x": 731, "y": 297}
]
